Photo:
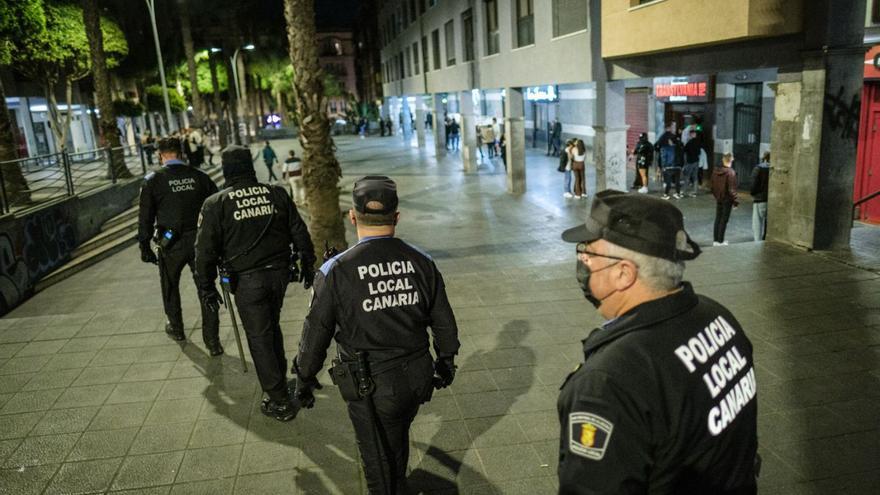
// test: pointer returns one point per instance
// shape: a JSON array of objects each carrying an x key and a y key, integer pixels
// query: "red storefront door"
[{"x": 868, "y": 159}]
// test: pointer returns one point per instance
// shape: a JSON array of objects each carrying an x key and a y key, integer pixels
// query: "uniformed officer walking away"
[
  {"x": 377, "y": 300},
  {"x": 170, "y": 200},
  {"x": 665, "y": 401},
  {"x": 253, "y": 233}
]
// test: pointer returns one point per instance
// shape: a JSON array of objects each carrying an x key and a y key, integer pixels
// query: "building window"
[
  {"x": 435, "y": 42},
  {"x": 400, "y": 66},
  {"x": 467, "y": 29},
  {"x": 415, "y": 52},
  {"x": 406, "y": 62},
  {"x": 875, "y": 11},
  {"x": 449, "y": 31},
  {"x": 492, "y": 35},
  {"x": 432, "y": 3},
  {"x": 425, "y": 53},
  {"x": 569, "y": 16},
  {"x": 525, "y": 23},
  {"x": 421, "y": 6},
  {"x": 412, "y": 11}
]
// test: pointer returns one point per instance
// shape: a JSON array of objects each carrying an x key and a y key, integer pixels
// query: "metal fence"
[{"x": 60, "y": 175}]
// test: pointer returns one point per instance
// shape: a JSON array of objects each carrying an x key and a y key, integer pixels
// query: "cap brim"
[{"x": 580, "y": 234}]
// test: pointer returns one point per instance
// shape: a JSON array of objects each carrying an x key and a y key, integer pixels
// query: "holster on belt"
[{"x": 344, "y": 375}]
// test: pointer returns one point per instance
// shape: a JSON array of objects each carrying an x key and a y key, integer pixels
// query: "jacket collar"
[{"x": 642, "y": 316}]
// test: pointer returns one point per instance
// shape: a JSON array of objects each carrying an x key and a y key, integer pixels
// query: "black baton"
[{"x": 224, "y": 281}]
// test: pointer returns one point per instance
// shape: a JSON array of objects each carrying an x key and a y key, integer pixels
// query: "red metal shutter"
[{"x": 636, "y": 115}]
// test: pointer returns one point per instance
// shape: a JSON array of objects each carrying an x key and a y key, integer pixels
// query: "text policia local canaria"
[
  {"x": 251, "y": 202},
  {"x": 388, "y": 292},
  {"x": 722, "y": 372}
]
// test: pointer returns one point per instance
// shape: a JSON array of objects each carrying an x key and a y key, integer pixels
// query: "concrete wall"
[
  {"x": 38, "y": 242},
  {"x": 560, "y": 60}
]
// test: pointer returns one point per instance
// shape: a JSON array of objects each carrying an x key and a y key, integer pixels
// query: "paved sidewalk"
[{"x": 94, "y": 398}]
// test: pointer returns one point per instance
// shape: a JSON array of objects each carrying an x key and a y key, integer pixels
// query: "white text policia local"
[
  {"x": 381, "y": 288},
  {"x": 721, "y": 373},
  {"x": 251, "y": 202}
]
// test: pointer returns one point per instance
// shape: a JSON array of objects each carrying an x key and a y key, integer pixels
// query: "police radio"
[
  {"x": 164, "y": 237},
  {"x": 228, "y": 280}
]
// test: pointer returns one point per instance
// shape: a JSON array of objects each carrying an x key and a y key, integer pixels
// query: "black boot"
[
  {"x": 214, "y": 348},
  {"x": 280, "y": 410},
  {"x": 174, "y": 332}
]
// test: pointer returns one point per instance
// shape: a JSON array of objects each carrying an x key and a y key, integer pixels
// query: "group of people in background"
[{"x": 191, "y": 139}]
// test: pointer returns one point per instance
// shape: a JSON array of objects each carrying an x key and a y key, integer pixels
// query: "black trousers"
[
  {"x": 259, "y": 297},
  {"x": 672, "y": 177},
  {"x": 722, "y": 215},
  {"x": 171, "y": 264},
  {"x": 384, "y": 444}
]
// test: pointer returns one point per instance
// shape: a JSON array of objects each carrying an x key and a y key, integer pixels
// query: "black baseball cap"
[
  {"x": 378, "y": 188},
  {"x": 237, "y": 161},
  {"x": 644, "y": 224}
]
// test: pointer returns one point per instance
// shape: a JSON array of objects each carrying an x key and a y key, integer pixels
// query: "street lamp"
[
  {"x": 234, "y": 60},
  {"x": 171, "y": 123}
]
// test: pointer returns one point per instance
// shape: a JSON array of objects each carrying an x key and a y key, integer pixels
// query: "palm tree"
[
  {"x": 189, "y": 50},
  {"x": 321, "y": 171},
  {"x": 107, "y": 122}
]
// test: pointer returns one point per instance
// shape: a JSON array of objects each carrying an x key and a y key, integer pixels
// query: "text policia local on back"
[
  {"x": 722, "y": 371},
  {"x": 398, "y": 291}
]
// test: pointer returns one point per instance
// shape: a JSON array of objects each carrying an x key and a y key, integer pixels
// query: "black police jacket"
[
  {"x": 378, "y": 296},
  {"x": 171, "y": 197},
  {"x": 232, "y": 222},
  {"x": 665, "y": 402}
]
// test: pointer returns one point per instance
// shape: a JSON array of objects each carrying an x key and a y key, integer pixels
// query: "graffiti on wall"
[
  {"x": 843, "y": 115},
  {"x": 14, "y": 280},
  {"x": 49, "y": 239}
]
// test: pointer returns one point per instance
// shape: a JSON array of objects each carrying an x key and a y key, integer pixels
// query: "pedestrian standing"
[
  {"x": 578, "y": 159},
  {"x": 760, "y": 188},
  {"x": 148, "y": 143},
  {"x": 666, "y": 399},
  {"x": 455, "y": 132},
  {"x": 644, "y": 157},
  {"x": 496, "y": 132},
  {"x": 565, "y": 166},
  {"x": 724, "y": 189},
  {"x": 447, "y": 122},
  {"x": 253, "y": 234},
  {"x": 666, "y": 154},
  {"x": 377, "y": 300},
  {"x": 556, "y": 137},
  {"x": 170, "y": 200},
  {"x": 292, "y": 173},
  {"x": 692, "y": 150},
  {"x": 269, "y": 158}
]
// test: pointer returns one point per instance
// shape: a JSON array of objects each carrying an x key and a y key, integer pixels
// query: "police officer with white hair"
[{"x": 665, "y": 401}]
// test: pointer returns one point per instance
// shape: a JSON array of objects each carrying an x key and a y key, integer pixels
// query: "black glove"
[
  {"x": 305, "y": 391},
  {"x": 147, "y": 254},
  {"x": 307, "y": 276},
  {"x": 444, "y": 372},
  {"x": 211, "y": 299}
]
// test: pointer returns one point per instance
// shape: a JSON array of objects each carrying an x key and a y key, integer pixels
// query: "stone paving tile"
[
  {"x": 118, "y": 416},
  {"x": 28, "y": 481},
  {"x": 148, "y": 470},
  {"x": 65, "y": 421},
  {"x": 46, "y": 449},
  {"x": 84, "y": 477},
  {"x": 102, "y": 444},
  {"x": 162, "y": 438}
]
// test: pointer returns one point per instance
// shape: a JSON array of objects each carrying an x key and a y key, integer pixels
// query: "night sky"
[{"x": 336, "y": 13}]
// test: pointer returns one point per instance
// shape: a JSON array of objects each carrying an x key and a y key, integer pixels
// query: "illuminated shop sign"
[
  {"x": 683, "y": 89},
  {"x": 272, "y": 120},
  {"x": 542, "y": 93}
]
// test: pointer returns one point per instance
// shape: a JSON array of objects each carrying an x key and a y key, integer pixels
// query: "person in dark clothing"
[
  {"x": 377, "y": 300},
  {"x": 724, "y": 189},
  {"x": 556, "y": 137},
  {"x": 692, "y": 162},
  {"x": 665, "y": 401},
  {"x": 253, "y": 233},
  {"x": 644, "y": 154},
  {"x": 669, "y": 147},
  {"x": 269, "y": 158},
  {"x": 760, "y": 187},
  {"x": 455, "y": 132},
  {"x": 170, "y": 200}
]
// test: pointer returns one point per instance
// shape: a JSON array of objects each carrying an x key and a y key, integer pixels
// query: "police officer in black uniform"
[
  {"x": 170, "y": 200},
  {"x": 254, "y": 233},
  {"x": 377, "y": 300},
  {"x": 665, "y": 401}
]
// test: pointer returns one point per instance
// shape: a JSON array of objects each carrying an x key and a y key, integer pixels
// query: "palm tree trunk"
[
  {"x": 107, "y": 123},
  {"x": 189, "y": 50},
  {"x": 218, "y": 107},
  {"x": 321, "y": 171},
  {"x": 15, "y": 188}
]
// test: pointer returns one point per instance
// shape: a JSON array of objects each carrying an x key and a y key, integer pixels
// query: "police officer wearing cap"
[
  {"x": 377, "y": 300},
  {"x": 665, "y": 401},
  {"x": 253, "y": 232},
  {"x": 170, "y": 200}
]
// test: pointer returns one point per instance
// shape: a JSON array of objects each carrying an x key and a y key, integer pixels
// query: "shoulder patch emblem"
[{"x": 588, "y": 435}]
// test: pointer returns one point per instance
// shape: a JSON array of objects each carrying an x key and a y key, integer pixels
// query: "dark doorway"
[{"x": 746, "y": 131}]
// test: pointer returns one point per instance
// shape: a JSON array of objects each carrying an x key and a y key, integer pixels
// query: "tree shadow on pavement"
[{"x": 440, "y": 457}]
